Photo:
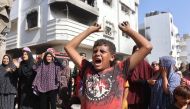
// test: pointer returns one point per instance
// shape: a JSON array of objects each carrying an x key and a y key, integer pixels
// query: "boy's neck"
[
  {"x": 104, "y": 70},
  {"x": 181, "y": 107}
]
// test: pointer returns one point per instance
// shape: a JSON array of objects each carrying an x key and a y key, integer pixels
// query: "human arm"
[
  {"x": 144, "y": 45},
  {"x": 151, "y": 81},
  {"x": 71, "y": 46},
  {"x": 16, "y": 63},
  {"x": 11, "y": 69},
  {"x": 164, "y": 80},
  {"x": 169, "y": 83}
]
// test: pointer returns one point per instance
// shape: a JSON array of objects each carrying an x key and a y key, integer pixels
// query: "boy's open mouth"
[{"x": 98, "y": 61}]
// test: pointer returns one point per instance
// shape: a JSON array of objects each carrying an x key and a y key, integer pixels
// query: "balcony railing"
[
  {"x": 183, "y": 54},
  {"x": 66, "y": 29},
  {"x": 182, "y": 43},
  {"x": 11, "y": 41},
  {"x": 81, "y": 4}
]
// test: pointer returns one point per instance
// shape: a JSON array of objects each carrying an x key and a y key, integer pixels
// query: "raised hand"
[
  {"x": 43, "y": 55},
  {"x": 11, "y": 70},
  {"x": 95, "y": 28},
  {"x": 17, "y": 64},
  {"x": 8, "y": 69},
  {"x": 163, "y": 71},
  {"x": 124, "y": 26}
]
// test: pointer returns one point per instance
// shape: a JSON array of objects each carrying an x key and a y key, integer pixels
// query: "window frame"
[
  {"x": 107, "y": 2},
  {"x": 108, "y": 24},
  {"x": 36, "y": 9}
]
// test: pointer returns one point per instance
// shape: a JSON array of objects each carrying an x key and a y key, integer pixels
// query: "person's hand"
[
  {"x": 53, "y": 55},
  {"x": 95, "y": 28},
  {"x": 124, "y": 26},
  {"x": 8, "y": 69},
  {"x": 163, "y": 71},
  {"x": 43, "y": 55},
  {"x": 16, "y": 63},
  {"x": 183, "y": 81},
  {"x": 151, "y": 82}
]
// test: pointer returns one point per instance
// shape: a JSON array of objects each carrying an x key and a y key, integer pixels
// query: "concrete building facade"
[
  {"x": 187, "y": 40},
  {"x": 185, "y": 50},
  {"x": 159, "y": 28},
  {"x": 40, "y": 24}
]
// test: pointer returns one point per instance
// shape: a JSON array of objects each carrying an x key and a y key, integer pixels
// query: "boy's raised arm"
[
  {"x": 71, "y": 46},
  {"x": 144, "y": 45}
]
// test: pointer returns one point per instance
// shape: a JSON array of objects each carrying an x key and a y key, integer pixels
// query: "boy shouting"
[{"x": 103, "y": 82}]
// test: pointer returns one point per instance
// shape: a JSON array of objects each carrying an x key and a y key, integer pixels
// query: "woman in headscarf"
[
  {"x": 47, "y": 81},
  {"x": 27, "y": 100},
  {"x": 8, "y": 83},
  {"x": 167, "y": 81}
]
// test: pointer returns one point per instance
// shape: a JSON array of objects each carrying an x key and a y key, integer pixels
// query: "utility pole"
[{"x": 5, "y": 6}]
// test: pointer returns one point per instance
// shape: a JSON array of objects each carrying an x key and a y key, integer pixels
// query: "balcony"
[
  {"x": 177, "y": 42},
  {"x": 76, "y": 6},
  {"x": 183, "y": 54},
  {"x": 182, "y": 43},
  {"x": 63, "y": 30},
  {"x": 178, "y": 50},
  {"x": 11, "y": 41}
]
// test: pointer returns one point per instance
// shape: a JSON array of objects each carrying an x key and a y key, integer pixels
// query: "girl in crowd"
[
  {"x": 47, "y": 80},
  {"x": 167, "y": 81},
  {"x": 186, "y": 77},
  {"x": 8, "y": 83},
  {"x": 181, "y": 97},
  {"x": 27, "y": 100},
  {"x": 155, "y": 66}
]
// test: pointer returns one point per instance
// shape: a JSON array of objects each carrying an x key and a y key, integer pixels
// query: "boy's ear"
[{"x": 112, "y": 58}]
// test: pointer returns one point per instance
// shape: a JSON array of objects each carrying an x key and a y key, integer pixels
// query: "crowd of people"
[{"x": 106, "y": 82}]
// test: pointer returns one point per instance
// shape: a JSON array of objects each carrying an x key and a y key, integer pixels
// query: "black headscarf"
[{"x": 26, "y": 65}]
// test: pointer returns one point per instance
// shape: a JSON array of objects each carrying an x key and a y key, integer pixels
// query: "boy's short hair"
[
  {"x": 183, "y": 91},
  {"x": 101, "y": 42}
]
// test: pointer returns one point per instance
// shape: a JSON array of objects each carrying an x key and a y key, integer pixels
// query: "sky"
[{"x": 180, "y": 9}]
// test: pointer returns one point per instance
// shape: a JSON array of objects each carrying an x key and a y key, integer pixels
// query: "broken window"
[
  {"x": 108, "y": 2},
  {"x": 172, "y": 33},
  {"x": 125, "y": 9},
  {"x": 32, "y": 19},
  {"x": 90, "y": 2}
]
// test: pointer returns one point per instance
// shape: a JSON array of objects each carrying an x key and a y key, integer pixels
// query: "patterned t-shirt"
[{"x": 103, "y": 90}]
